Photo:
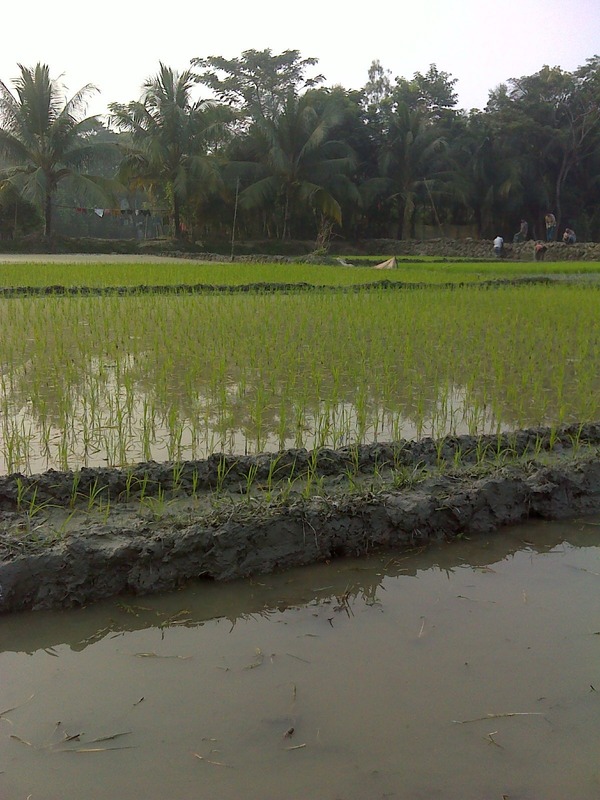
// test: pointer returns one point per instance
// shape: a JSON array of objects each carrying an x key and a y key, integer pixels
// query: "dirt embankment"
[
  {"x": 464, "y": 249},
  {"x": 275, "y": 251},
  {"x": 71, "y": 538},
  {"x": 476, "y": 249}
]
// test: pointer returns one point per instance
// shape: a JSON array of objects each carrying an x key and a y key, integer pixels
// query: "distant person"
[
  {"x": 550, "y": 221},
  {"x": 569, "y": 236},
  {"x": 498, "y": 246},
  {"x": 521, "y": 236},
  {"x": 539, "y": 251}
]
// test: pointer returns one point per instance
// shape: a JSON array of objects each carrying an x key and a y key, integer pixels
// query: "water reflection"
[
  {"x": 341, "y": 584},
  {"x": 461, "y": 672},
  {"x": 107, "y": 423}
]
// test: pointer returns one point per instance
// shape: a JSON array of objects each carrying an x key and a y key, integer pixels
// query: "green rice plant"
[
  {"x": 95, "y": 494},
  {"x": 538, "y": 445},
  {"x": 22, "y": 488},
  {"x": 223, "y": 471},
  {"x": 130, "y": 481},
  {"x": 157, "y": 504},
  {"x": 176, "y": 475},
  {"x": 482, "y": 450},
  {"x": 27, "y": 499},
  {"x": 355, "y": 459},
  {"x": 439, "y": 451},
  {"x": 58, "y": 533},
  {"x": 195, "y": 482},
  {"x": 457, "y": 458},
  {"x": 502, "y": 453},
  {"x": 271, "y": 475},
  {"x": 313, "y": 482},
  {"x": 163, "y": 377},
  {"x": 182, "y": 272},
  {"x": 250, "y": 479},
  {"x": 351, "y": 481},
  {"x": 286, "y": 488},
  {"x": 74, "y": 489},
  {"x": 408, "y": 477},
  {"x": 575, "y": 439}
]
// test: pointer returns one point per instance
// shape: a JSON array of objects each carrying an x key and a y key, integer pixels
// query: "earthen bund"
[{"x": 548, "y": 474}]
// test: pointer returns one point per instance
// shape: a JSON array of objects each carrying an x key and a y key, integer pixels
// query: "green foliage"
[
  {"x": 171, "y": 140},
  {"x": 45, "y": 140},
  {"x": 17, "y": 216},
  {"x": 410, "y": 167},
  {"x": 286, "y": 155},
  {"x": 257, "y": 81},
  {"x": 297, "y": 165}
]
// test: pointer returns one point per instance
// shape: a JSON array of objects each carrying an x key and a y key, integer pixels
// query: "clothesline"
[{"x": 115, "y": 212}]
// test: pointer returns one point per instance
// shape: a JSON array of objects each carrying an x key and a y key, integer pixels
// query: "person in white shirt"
[{"x": 498, "y": 246}]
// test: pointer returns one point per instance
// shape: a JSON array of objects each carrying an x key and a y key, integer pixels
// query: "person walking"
[{"x": 550, "y": 221}]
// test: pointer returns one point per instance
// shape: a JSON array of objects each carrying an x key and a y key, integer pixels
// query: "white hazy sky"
[{"x": 117, "y": 45}]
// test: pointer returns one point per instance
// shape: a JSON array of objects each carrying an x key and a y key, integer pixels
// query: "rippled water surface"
[{"x": 463, "y": 672}]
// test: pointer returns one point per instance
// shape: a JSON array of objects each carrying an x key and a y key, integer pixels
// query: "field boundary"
[
  {"x": 264, "y": 288},
  {"x": 151, "y": 543}
]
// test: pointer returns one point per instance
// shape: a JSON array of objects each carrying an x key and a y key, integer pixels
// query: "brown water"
[{"x": 386, "y": 668}]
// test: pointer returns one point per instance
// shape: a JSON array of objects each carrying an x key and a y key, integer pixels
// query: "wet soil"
[{"x": 70, "y": 538}]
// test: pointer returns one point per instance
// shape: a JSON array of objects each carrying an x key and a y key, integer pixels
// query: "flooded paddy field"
[
  {"x": 227, "y": 435},
  {"x": 462, "y": 671},
  {"x": 115, "y": 380}
]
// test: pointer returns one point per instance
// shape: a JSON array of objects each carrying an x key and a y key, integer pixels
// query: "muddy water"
[
  {"x": 32, "y": 446},
  {"x": 382, "y": 672}
]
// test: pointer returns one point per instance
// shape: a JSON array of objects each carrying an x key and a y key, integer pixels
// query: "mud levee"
[
  {"x": 132, "y": 545},
  {"x": 475, "y": 249},
  {"x": 265, "y": 288},
  {"x": 277, "y": 251}
]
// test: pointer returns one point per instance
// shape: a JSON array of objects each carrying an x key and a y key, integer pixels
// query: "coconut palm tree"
[
  {"x": 171, "y": 138},
  {"x": 409, "y": 166},
  {"x": 44, "y": 138},
  {"x": 298, "y": 165}
]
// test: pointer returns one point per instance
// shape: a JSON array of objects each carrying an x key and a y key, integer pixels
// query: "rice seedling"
[
  {"x": 119, "y": 379},
  {"x": 223, "y": 470},
  {"x": 180, "y": 273},
  {"x": 250, "y": 479},
  {"x": 156, "y": 504},
  {"x": 94, "y": 495}
]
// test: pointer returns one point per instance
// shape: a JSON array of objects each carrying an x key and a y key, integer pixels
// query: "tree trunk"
[
  {"x": 176, "y": 217},
  {"x": 48, "y": 215},
  {"x": 560, "y": 181},
  {"x": 286, "y": 215}
]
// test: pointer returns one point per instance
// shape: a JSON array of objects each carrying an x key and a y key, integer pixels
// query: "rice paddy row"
[
  {"x": 114, "y": 380},
  {"x": 191, "y": 272}
]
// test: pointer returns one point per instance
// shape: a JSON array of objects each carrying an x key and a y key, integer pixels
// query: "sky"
[{"x": 118, "y": 45}]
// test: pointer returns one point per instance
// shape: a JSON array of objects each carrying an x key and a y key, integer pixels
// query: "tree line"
[{"x": 276, "y": 153}]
